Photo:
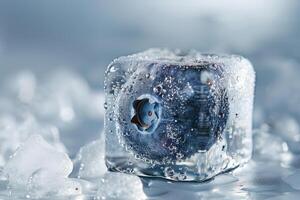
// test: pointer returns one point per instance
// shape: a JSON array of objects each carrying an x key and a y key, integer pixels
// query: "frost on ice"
[
  {"x": 276, "y": 148},
  {"x": 15, "y": 130},
  {"x": 62, "y": 98},
  {"x": 40, "y": 169}
]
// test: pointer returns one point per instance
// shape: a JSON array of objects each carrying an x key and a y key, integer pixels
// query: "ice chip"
[
  {"x": 91, "y": 160},
  {"x": 41, "y": 185},
  {"x": 276, "y": 148},
  {"x": 14, "y": 131},
  {"x": 33, "y": 156},
  {"x": 62, "y": 98},
  {"x": 180, "y": 117},
  {"x": 120, "y": 186}
]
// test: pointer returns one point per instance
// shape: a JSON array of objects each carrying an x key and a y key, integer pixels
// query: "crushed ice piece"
[
  {"x": 269, "y": 146},
  {"x": 14, "y": 131},
  {"x": 120, "y": 186},
  {"x": 65, "y": 95},
  {"x": 40, "y": 169},
  {"x": 34, "y": 155},
  {"x": 41, "y": 185},
  {"x": 91, "y": 160},
  {"x": 293, "y": 180},
  {"x": 62, "y": 98},
  {"x": 61, "y": 94},
  {"x": 88, "y": 186}
]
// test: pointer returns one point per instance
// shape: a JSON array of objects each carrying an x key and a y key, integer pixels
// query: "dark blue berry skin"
[{"x": 167, "y": 113}]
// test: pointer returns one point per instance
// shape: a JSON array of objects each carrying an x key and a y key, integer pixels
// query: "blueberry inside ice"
[{"x": 145, "y": 114}]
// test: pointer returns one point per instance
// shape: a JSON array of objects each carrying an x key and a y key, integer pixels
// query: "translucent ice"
[
  {"x": 61, "y": 95},
  {"x": 120, "y": 186},
  {"x": 41, "y": 185},
  {"x": 14, "y": 131},
  {"x": 62, "y": 98},
  {"x": 91, "y": 160},
  {"x": 287, "y": 128},
  {"x": 178, "y": 116},
  {"x": 40, "y": 169},
  {"x": 269, "y": 146}
]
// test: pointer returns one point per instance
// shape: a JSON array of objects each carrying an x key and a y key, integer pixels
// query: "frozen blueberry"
[{"x": 173, "y": 112}]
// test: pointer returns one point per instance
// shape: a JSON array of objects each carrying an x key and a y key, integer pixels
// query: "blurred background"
[{"x": 53, "y": 55}]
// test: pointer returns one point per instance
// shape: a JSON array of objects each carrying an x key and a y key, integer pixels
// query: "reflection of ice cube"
[
  {"x": 220, "y": 188},
  {"x": 91, "y": 160},
  {"x": 39, "y": 167},
  {"x": 120, "y": 186}
]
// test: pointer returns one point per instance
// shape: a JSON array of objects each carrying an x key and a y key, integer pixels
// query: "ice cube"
[
  {"x": 37, "y": 156},
  {"x": 120, "y": 186},
  {"x": 91, "y": 160},
  {"x": 169, "y": 113}
]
